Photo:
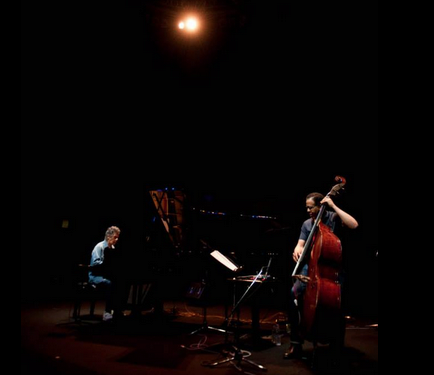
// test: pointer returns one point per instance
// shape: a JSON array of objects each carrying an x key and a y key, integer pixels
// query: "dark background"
[{"x": 247, "y": 120}]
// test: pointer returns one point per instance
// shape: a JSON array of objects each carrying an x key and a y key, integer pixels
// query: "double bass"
[{"x": 321, "y": 315}]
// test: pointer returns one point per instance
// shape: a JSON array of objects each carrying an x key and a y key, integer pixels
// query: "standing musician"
[{"x": 332, "y": 217}]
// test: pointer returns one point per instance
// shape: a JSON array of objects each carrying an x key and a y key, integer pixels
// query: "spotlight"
[{"x": 190, "y": 24}]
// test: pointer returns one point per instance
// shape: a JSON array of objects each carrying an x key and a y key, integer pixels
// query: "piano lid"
[{"x": 169, "y": 205}]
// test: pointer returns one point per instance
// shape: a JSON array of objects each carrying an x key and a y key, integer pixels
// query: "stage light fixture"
[
  {"x": 189, "y": 24},
  {"x": 192, "y": 24}
]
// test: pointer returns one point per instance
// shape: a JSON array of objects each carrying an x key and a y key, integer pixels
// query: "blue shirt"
[
  {"x": 329, "y": 218},
  {"x": 97, "y": 257}
]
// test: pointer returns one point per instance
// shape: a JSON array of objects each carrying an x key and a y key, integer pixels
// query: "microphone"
[{"x": 268, "y": 268}]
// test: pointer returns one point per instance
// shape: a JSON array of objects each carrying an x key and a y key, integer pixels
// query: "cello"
[{"x": 321, "y": 313}]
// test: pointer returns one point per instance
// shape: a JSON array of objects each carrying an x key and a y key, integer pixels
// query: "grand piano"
[
  {"x": 151, "y": 277},
  {"x": 172, "y": 255}
]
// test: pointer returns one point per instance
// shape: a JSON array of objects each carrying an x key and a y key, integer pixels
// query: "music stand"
[
  {"x": 237, "y": 355},
  {"x": 227, "y": 263},
  {"x": 205, "y": 326}
]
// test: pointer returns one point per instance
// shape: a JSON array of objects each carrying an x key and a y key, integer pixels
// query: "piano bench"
[{"x": 85, "y": 292}]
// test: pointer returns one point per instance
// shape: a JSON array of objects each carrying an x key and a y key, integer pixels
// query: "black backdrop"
[{"x": 251, "y": 124}]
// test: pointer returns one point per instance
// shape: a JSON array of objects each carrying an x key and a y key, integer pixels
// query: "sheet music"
[{"x": 224, "y": 260}]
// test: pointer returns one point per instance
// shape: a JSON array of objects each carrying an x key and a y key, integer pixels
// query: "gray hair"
[{"x": 111, "y": 231}]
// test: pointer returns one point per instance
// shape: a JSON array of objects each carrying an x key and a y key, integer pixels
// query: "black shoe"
[{"x": 295, "y": 351}]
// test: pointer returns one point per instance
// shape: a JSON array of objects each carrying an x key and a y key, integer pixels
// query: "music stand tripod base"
[
  {"x": 236, "y": 358},
  {"x": 205, "y": 327}
]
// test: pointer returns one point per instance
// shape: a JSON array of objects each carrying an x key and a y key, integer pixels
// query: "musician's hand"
[
  {"x": 297, "y": 254},
  {"x": 328, "y": 201}
]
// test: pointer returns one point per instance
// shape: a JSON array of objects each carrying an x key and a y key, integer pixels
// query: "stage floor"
[{"x": 52, "y": 342}]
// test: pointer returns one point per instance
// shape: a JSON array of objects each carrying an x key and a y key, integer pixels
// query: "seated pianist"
[
  {"x": 126, "y": 284},
  {"x": 101, "y": 274}
]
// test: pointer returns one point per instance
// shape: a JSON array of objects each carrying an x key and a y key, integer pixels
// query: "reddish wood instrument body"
[{"x": 322, "y": 299}]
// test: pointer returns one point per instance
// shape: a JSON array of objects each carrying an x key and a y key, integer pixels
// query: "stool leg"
[
  {"x": 92, "y": 306},
  {"x": 77, "y": 308},
  {"x": 76, "y": 313}
]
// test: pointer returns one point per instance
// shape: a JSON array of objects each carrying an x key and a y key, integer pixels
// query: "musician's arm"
[
  {"x": 298, "y": 250},
  {"x": 345, "y": 217},
  {"x": 97, "y": 257}
]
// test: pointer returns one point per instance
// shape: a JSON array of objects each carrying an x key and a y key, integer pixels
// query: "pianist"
[{"x": 99, "y": 276}]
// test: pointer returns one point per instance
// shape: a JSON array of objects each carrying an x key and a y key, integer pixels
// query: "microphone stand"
[
  {"x": 268, "y": 267},
  {"x": 236, "y": 355}
]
